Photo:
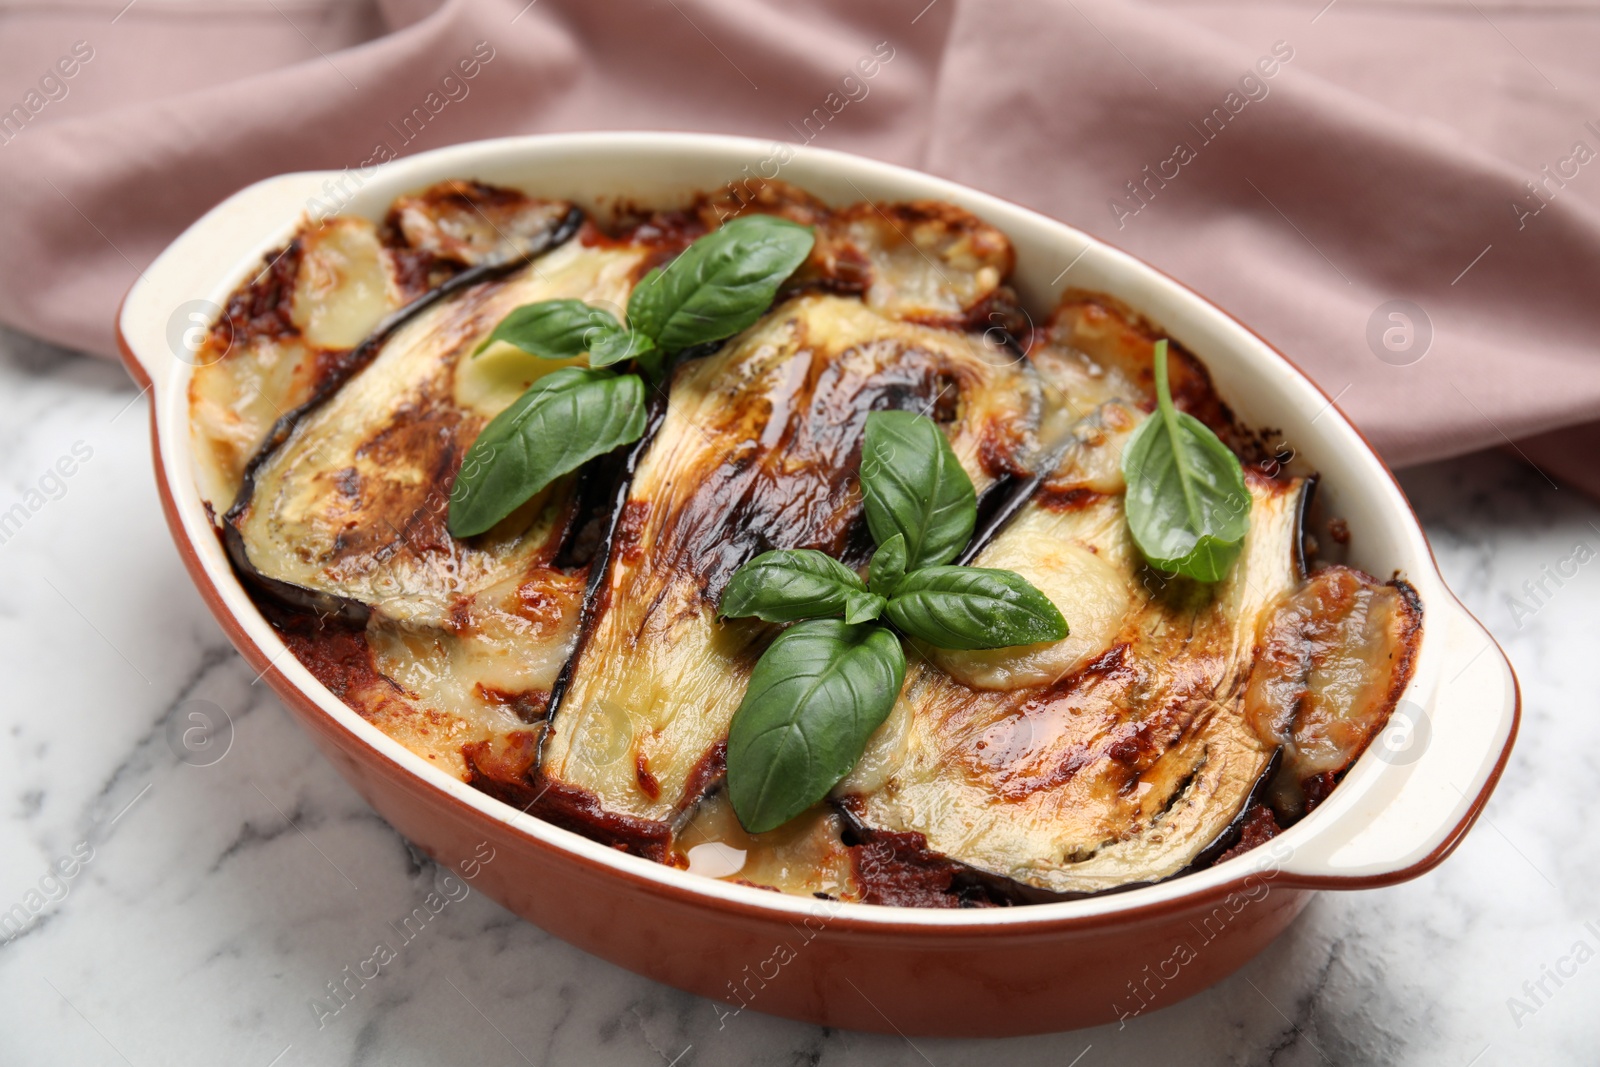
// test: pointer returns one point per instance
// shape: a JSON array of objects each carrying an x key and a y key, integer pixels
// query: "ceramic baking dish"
[{"x": 1401, "y": 810}]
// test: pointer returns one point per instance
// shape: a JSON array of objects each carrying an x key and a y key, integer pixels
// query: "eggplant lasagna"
[{"x": 570, "y": 661}]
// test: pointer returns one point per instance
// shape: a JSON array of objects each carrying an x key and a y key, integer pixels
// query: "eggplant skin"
[{"x": 759, "y": 450}]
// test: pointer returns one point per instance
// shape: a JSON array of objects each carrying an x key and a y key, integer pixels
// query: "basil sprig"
[
  {"x": 821, "y": 689},
  {"x": 721, "y": 284},
  {"x": 1187, "y": 504}
]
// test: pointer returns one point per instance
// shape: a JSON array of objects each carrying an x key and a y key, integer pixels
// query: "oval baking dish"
[{"x": 1052, "y": 966}]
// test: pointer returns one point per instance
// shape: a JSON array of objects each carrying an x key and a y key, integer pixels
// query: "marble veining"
[{"x": 214, "y": 897}]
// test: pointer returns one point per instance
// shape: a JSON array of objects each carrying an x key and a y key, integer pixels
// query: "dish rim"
[{"x": 249, "y": 631}]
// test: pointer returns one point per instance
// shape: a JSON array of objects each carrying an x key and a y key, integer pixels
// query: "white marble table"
[{"x": 210, "y": 904}]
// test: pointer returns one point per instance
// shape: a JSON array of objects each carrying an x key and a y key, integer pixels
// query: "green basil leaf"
[
  {"x": 974, "y": 607},
  {"x": 913, "y": 485},
  {"x": 864, "y": 607},
  {"x": 557, "y": 329},
  {"x": 609, "y": 348},
  {"x": 793, "y": 584},
  {"x": 1187, "y": 504},
  {"x": 720, "y": 284},
  {"x": 815, "y": 697},
  {"x": 565, "y": 419},
  {"x": 888, "y": 566}
]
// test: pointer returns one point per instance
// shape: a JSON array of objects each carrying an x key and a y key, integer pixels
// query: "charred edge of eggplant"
[
  {"x": 1308, "y": 493},
  {"x": 1003, "y": 501},
  {"x": 580, "y": 811},
  {"x": 326, "y": 604},
  {"x": 1413, "y": 602},
  {"x": 999, "y": 505},
  {"x": 600, "y": 569},
  {"x": 705, "y": 779},
  {"x": 529, "y": 791},
  {"x": 599, "y": 481},
  {"x": 620, "y": 484},
  {"x": 1230, "y": 834},
  {"x": 592, "y": 505}
]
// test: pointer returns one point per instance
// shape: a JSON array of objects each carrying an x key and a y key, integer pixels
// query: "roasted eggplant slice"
[
  {"x": 1335, "y": 657},
  {"x": 1095, "y": 348},
  {"x": 1114, "y": 756},
  {"x": 924, "y": 261},
  {"x": 476, "y": 224},
  {"x": 759, "y": 450},
  {"x": 348, "y": 512},
  {"x": 290, "y": 334}
]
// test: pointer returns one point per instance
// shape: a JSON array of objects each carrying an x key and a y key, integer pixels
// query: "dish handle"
[
  {"x": 176, "y": 299},
  {"x": 1442, "y": 763}
]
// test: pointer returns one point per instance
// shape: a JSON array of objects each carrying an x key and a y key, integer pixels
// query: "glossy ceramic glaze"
[{"x": 1399, "y": 812}]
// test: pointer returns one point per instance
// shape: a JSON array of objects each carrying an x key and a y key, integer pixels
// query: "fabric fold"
[{"x": 1399, "y": 197}]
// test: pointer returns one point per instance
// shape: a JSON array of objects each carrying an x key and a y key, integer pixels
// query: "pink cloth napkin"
[{"x": 1404, "y": 197}]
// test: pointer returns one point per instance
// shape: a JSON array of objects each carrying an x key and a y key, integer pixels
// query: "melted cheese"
[{"x": 342, "y": 289}]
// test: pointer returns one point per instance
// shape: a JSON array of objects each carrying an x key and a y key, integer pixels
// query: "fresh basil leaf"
[
  {"x": 864, "y": 607},
  {"x": 565, "y": 419},
  {"x": 974, "y": 607},
  {"x": 622, "y": 345},
  {"x": 913, "y": 485},
  {"x": 888, "y": 566},
  {"x": 1187, "y": 504},
  {"x": 557, "y": 329},
  {"x": 721, "y": 284},
  {"x": 799, "y": 583},
  {"x": 815, "y": 698}
]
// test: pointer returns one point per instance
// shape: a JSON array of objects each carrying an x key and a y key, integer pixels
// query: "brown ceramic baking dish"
[{"x": 979, "y": 972}]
